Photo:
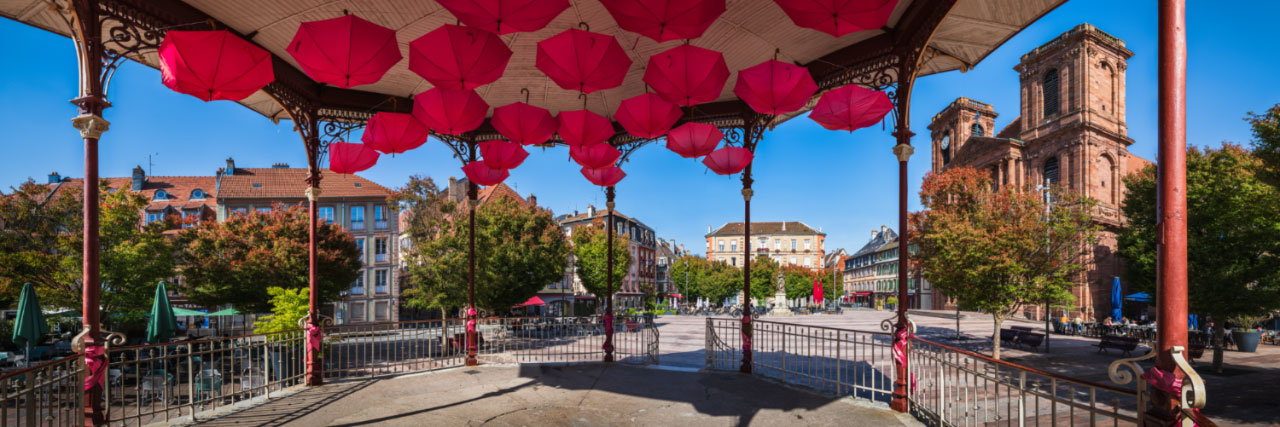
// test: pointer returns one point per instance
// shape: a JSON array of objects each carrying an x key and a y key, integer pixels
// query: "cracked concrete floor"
[{"x": 576, "y": 395}]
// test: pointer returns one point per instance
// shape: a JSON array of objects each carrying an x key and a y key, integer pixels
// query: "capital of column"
[
  {"x": 747, "y": 193},
  {"x": 313, "y": 193},
  {"x": 903, "y": 151},
  {"x": 609, "y": 205},
  {"x": 91, "y": 126}
]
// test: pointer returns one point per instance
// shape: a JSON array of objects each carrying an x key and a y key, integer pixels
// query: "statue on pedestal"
[{"x": 780, "y": 298}]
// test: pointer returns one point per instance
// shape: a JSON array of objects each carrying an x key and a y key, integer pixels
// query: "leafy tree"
[
  {"x": 1233, "y": 236},
  {"x": 764, "y": 277},
  {"x": 591, "y": 258},
  {"x": 997, "y": 250},
  {"x": 426, "y": 209},
  {"x": 288, "y": 306},
  {"x": 1266, "y": 143},
  {"x": 235, "y": 262}
]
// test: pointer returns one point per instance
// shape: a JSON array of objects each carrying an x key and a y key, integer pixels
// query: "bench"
[
  {"x": 1021, "y": 328},
  {"x": 1008, "y": 336},
  {"x": 1124, "y": 344},
  {"x": 1029, "y": 339},
  {"x": 1195, "y": 351}
]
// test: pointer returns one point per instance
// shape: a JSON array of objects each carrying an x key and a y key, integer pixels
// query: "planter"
[{"x": 1247, "y": 341}]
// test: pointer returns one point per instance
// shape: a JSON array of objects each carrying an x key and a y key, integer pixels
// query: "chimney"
[
  {"x": 139, "y": 178},
  {"x": 874, "y": 233},
  {"x": 231, "y": 166},
  {"x": 591, "y": 211},
  {"x": 533, "y": 200},
  {"x": 784, "y": 226},
  {"x": 884, "y": 228},
  {"x": 54, "y": 178},
  {"x": 708, "y": 229},
  {"x": 279, "y": 165}
]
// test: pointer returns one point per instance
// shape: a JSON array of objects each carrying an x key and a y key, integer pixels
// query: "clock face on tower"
[{"x": 946, "y": 142}]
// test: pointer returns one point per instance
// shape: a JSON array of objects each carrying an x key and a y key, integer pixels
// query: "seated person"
[
  {"x": 1078, "y": 324},
  {"x": 1107, "y": 322}
]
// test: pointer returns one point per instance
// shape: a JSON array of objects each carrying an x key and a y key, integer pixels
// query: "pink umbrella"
[
  {"x": 505, "y": 16},
  {"x": 838, "y": 17},
  {"x": 345, "y": 51},
  {"x": 775, "y": 87},
  {"x": 524, "y": 123},
  {"x": 687, "y": 74},
  {"x": 582, "y": 127},
  {"x": 500, "y": 154},
  {"x": 213, "y": 65},
  {"x": 394, "y": 133},
  {"x": 348, "y": 158},
  {"x": 604, "y": 177},
  {"x": 817, "y": 291},
  {"x": 481, "y": 174},
  {"x": 692, "y": 140},
  {"x": 647, "y": 115},
  {"x": 459, "y": 57},
  {"x": 595, "y": 155},
  {"x": 664, "y": 20},
  {"x": 850, "y": 108},
  {"x": 450, "y": 111},
  {"x": 728, "y": 160},
  {"x": 583, "y": 61}
]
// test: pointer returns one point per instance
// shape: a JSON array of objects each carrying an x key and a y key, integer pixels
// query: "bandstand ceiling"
[{"x": 748, "y": 33}]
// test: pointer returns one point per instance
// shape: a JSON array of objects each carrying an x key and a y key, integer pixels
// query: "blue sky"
[{"x": 842, "y": 182}]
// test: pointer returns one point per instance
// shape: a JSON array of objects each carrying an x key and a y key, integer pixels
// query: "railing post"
[
  {"x": 706, "y": 341},
  {"x": 942, "y": 391},
  {"x": 191, "y": 383},
  {"x": 1022, "y": 397},
  {"x": 32, "y": 413}
]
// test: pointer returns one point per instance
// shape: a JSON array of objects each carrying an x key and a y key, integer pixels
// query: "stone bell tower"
[{"x": 951, "y": 128}]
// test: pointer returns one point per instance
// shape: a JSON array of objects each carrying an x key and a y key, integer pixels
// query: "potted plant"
[
  {"x": 891, "y": 303},
  {"x": 1246, "y": 333}
]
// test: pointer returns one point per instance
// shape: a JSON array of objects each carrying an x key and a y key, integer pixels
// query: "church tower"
[{"x": 951, "y": 128}]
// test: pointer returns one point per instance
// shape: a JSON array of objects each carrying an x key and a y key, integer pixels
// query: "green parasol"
[
  {"x": 186, "y": 312},
  {"x": 226, "y": 312},
  {"x": 30, "y": 325},
  {"x": 163, "y": 323}
]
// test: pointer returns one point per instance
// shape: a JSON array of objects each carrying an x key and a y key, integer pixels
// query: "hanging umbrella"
[
  {"x": 450, "y": 111},
  {"x": 345, "y": 51},
  {"x": 604, "y": 177},
  {"x": 504, "y": 155},
  {"x": 838, "y": 17},
  {"x": 29, "y": 326},
  {"x": 481, "y": 174},
  {"x": 692, "y": 140},
  {"x": 728, "y": 160},
  {"x": 817, "y": 291},
  {"x": 583, "y": 61},
  {"x": 665, "y": 20},
  {"x": 647, "y": 115},
  {"x": 349, "y": 158},
  {"x": 775, "y": 87},
  {"x": 394, "y": 133},
  {"x": 582, "y": 127},
  {"x": 850, "y": 108},
  {"x": 213, "y": 65},
  {"x": 505, "y": 16},
  {"x": 687, "y": 75},
  {"x": 1117, "y": 299},
  {"x": 162, "y": 324},
  {"x": 595, "y": 155},
  {"x": 523, "y": 123},
  {"x": 459, "y": 57}
]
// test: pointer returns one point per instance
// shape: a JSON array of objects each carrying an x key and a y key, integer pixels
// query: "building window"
[
  {"x": 733, "y": 246},
  {"x": 380, "y": 217},
  {"x": 357, "y": 287},
  {"x": 380, "y": 281},
  {"x": 357, "y": 312},
  {"x": 197, "y": 194},
  {"x": 263, "y": 210},
  {"x": 807, "y": 262},
  {"x": 380, "y": 311},
  {"x": 977, "y": 130},
  {"x": 1050, "y": 90},
  {"x": 793, "y": 260},
  {"x": 325, "y": 214},
  {"x": 806, "y": 244},
  {"x": 733, "y": 261},
  {"x": 793, "y": 244},
  {"x": 161, "y": 195},
  {"x": 380, "y": 249},
  {"x": 190, "y": 218},
  {"x": 360, "y": 248},
  {"x": 721, "y": 246},
  {"x": 240, "y": 211},
  {"x": 357, "y": 217},
  {"x": 155, "y": 216}
]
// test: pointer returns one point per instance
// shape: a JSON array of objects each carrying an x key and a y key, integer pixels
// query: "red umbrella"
[
  {"x": 213, "y": 65},
  {"x": 450, "y": 111},
  {"x": 817, "y": 291},
  {"x": 838, "y": 17},
  {"x": 345, "y": 51},
  {"x": 394, "y": 133},
  {"x": 348, "y": 158},
  {"x": 692, "y": 140},
  {"x": 728, "y": 160},
  {"x": 775, "y": 87},
  {"x": 604, "y": 177},
  {"x": 505, "y": 16},
  {"x": 595, "y": 155},
  {"x": 664, "y": 20},
  {"x": 524, "y": 123},
  {"x": 582, "y": 127},
  {"x": 647, "y": 115},
  {"x": 459, "y": 57},
  {"x": 500, "y": 154},
  {"x": 687, "y": 74},
  {"x": 481, "y": 174},
  {"x": 851, "y": 108},
  {"x": 583, "y": 61}
]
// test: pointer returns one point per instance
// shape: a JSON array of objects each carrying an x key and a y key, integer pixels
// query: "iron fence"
[{"x": 48, "y": 394}]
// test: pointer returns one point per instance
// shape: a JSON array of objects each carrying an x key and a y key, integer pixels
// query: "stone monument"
[{"x": 780, "y": 298}]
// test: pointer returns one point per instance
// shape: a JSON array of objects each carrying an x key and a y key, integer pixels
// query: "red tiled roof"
[
  {"x": 792, "y": 227},
  {"x": 500, "y": 190},
  {"x": 177, "y": 190},
  {"x": 290, "y": 183},
  {"x": 1136, "y": 164},
  {"x": 1011, "y": 130}
]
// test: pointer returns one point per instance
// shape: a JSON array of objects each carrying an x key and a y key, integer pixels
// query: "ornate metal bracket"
[
  {"x": 1124, "y": 371},
  {"x": 112, "y": 338},
  {"x": 888, "y": 325},
  {"x": 324, "y": 321},
  {"x": 1191, "y": 384}
]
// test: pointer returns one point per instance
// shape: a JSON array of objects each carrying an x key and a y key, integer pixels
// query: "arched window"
[
  {"x": 197, "y": 194},
  {"x": 1050, "y": 173},
  {"x": 161, "y": 195},
  {"x": 1050, "y": 89},
  {"x": 977, "y": 130}
]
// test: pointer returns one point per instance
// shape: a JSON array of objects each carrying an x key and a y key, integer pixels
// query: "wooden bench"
[
  {"x": 1029, "y": 339},
  {"x": 1008, "y": 336},
  {"x": 1124, "y": 344}
]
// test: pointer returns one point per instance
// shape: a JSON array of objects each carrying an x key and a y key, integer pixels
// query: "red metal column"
[
  {"x": 1171, "y": 241},
  {"x": 608, "y": 299},
  {"x": 473, "y": 200},
  {"x": 315, "y": 370},
  {"x": 746, "y": 271},
  {"x": 902, "y": 332}
]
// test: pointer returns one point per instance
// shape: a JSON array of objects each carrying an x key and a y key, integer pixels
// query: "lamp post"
[{"x": 1044, "y": 189}]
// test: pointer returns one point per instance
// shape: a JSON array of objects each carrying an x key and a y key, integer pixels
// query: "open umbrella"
[
  {"x": 838, "y": 17},
  {"x": 687, "y": 75},
  {"x": 394, "y": 133},
  {"x": 775, "y": 87},
  {"x": 163, "y": 322},
  {"x": 226, "y": 312},
  {"x": 213, "y": 65},
  {"x": 523, "y": 123},
  {"x": 1138, "y": 297},
  {"x": 728, "y": 160},
  {"x": 29, "y": 326},
  {"x": 1117, "y": 299},
  {"x": 647, "y": 115},
  {"x": 459, "y": 57},
  {"x": 500, "y": 154},
  {"x": 850, "y": 108},
  {"x": 349, "y": 158},
  {"x": 582, "y": 127},
  {"x": 595, "y": 155},
  {"x": 186, "y": 312},
  {"x": 481, "y": 174},
  {"x": 604, "y": 177},
  {"x": 345, "y": 51},
  {"x": 665, "y": 20},
  {"x": 693, "y": 139},
  {"x": 583, "y": 61},
  {"x": 506, "y": 16},
  {"x": 817, "y": 291},
  {"x": 448, "y": 110}
]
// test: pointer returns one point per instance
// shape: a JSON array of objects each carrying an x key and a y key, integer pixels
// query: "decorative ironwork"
[
  {"x": 889, "y": 324},
  {"x": 325, "y": 321},
  {"x": 130, "y": 33},
  {"x": 1192, "y": 385}
]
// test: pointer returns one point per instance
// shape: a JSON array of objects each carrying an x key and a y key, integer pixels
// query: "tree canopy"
[{"x": 591, "y": 258}]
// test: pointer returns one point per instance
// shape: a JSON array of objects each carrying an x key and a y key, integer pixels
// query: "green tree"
[
  {"x": 235, "y": 262},
  {"x": 426, "y": 210},
  {"x": 998, "y": 250},
  {"x": 764, "y": 272},
  {"x": 1233, "y": 236},
  {"x": 1266, "y": 143},
  {"x": 591, "y": 258},
  {"x": 288, "y": 306}
]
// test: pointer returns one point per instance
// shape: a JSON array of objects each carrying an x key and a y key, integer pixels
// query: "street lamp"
[{"x": 1044, "y": 189}]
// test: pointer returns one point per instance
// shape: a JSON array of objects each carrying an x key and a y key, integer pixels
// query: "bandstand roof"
[{"x": 748, "y": 33}]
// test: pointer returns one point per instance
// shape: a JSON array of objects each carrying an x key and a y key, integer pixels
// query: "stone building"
[
  {"x": 871, "y": 273},
  {"x": 1071, "y": 131},
  {"x": 787, "y": 243},
  {"x": 643, "y": 247}
]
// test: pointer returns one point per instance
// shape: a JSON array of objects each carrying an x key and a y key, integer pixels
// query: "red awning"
[
  {"x": 861, "y": 294},
  {"x": 532, "y": 301},
  {"x": 677, "y": 296}
]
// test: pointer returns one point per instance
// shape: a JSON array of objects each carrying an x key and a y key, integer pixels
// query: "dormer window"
[
  {"x": 161, "y": 195},
  {"x": 197, "y": 194}
]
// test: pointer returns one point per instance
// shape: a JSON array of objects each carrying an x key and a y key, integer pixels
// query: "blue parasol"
[{"x": 1116, "y": 299}]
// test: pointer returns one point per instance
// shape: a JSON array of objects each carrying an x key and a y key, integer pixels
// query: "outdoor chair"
[
  {"x": 155, "y": 386},
  {"x": 209, "y": 384}
]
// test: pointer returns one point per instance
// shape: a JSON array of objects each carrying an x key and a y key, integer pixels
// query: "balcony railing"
[{"x": 357, "y": 225}]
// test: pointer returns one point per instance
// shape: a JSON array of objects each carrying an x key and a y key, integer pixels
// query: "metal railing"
[{"x": 49, "y": 394}]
